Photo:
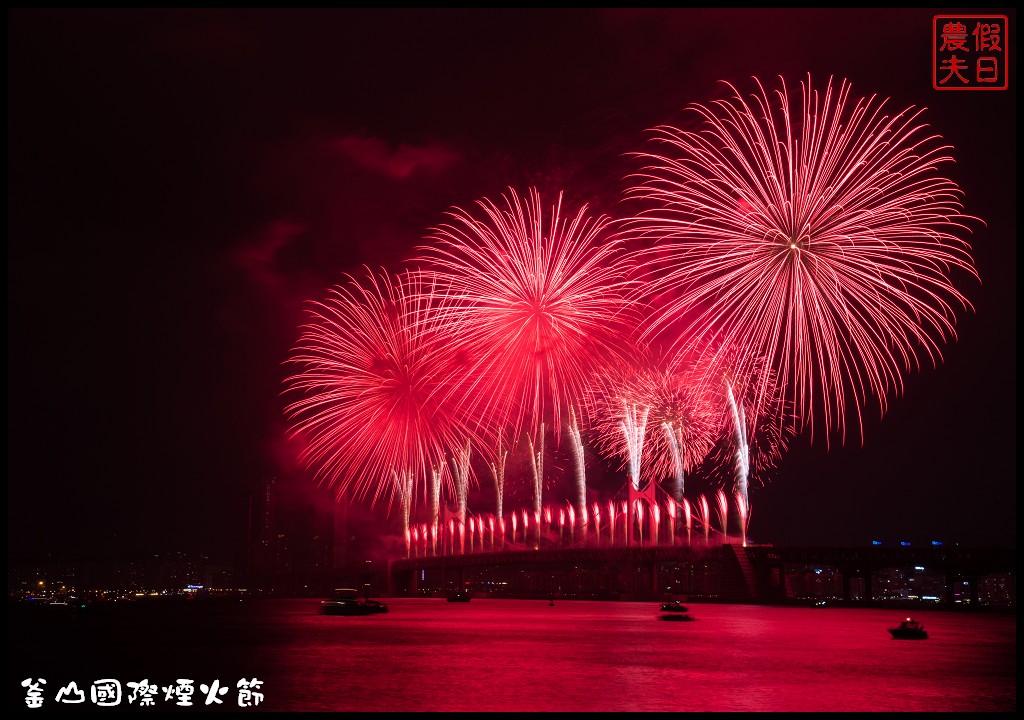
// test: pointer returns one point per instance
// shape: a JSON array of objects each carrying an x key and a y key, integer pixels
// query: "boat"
[
  {"x": 673, "y": 607},
  {"x": 352, "y": 606},
  {"x": 909, "y": 629},
  {"x": 676, "y": 617},
  {"x": 346, "y": 601},
  {"x": 459, "y": 596}
]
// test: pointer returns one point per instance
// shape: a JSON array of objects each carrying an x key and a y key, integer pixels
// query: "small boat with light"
[
  {"x": 352, "y": 607},
  {"x": 673, "y": 606},
  {"x": 909, "y": 629},
  {"x": 346, "y": 601}
]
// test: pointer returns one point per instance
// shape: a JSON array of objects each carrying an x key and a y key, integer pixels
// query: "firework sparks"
[
  {"x": 723, "y": 513},
  {"x": 705, "y": 517},
  {"x": 634, "y": 428},
  {"x": 820, "y": 236},
  {"x": 743, "y": 510},
  {"x": 576, "y": 444},
  {"x": 403, "y": 482},
  {"x": 683, "y": 408},
  {"x": 739, "y": 422},
  {"x": 744, "y": 439},
  {"x": 537, "y": 300},
  {"x": 377, "y": 392},
  {"x": 537, "y": 470},
  {"x": 460, "y": 473},
  {"x": 676, "y": 404},
  {"x": 498, "y": 473},
  {"x": 688, "y": 514}
]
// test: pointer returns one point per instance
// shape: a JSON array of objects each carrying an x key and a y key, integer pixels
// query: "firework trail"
[
  {"x": 684, "y": 409},
  {"x": 688, "y": 514},
  {"x": 744, "y": 512},
  {"x": 634, "y": 427},
  {"x": 817, "y": 233},
  {"x": 377, "y": 391},
  {"x": 576, "y": 444},
  {"x": 537, "y": 303},
  {"x": 537, "y": 468},
  {"x": 460, "y": 472},
  {"x": 619, "y": 416},
  {"x": 739, "y": 422},
  {"x": 723, "y": 514},
  {"x": 744, "y": 438},
  {"x": 674, "y": 443},
  {"x": 705, "y": 517},
  {"x": 435, "y": 501},
  {"x": 498, "y": 472},
  {"x": 677, "y": 400},
  {"x": 403, "y": 481}
]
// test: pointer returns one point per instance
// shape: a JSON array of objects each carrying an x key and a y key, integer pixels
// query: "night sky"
[{"x": 182, "y": 182}]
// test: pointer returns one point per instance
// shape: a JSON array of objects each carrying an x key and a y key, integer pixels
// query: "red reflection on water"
[{"x": 527, "y": 655}]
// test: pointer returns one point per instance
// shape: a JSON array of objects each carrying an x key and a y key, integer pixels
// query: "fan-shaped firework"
[
  {"x": 377, "y": 388},
  {"x": 816, "y": 232},
  {"x": 683, "y": 414},
  {"x": 536, "y": 303},
  {"x": 746, "y": 403},
  {"x": 680, "y": 424},
  {"x": 620, "y": 408}
]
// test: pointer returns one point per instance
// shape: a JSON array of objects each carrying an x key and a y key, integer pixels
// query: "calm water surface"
[{"x": 524, "y": 655}]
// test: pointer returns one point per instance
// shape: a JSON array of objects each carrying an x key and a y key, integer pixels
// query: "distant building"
[{"x": 291, "y": 540}]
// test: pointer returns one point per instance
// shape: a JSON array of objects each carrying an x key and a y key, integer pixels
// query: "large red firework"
[
  {"x": 377, "y": 388},
  {"x": 816, "y": 232},
  {"x": 536, "y": 303}
]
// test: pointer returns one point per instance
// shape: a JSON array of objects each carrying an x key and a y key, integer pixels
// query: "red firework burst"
[
  {"x": 681, "y": 422},
  {"x": 536, "y": 302},
  {"x": 817, "y": 233},
  {"x": 378, "y": 390},
  {"x": 740, "y": 389},
  {"x": 683, "y": 412}
]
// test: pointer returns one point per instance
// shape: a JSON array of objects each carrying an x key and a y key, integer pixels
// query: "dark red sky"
[{"x": 180, "y": 182}]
